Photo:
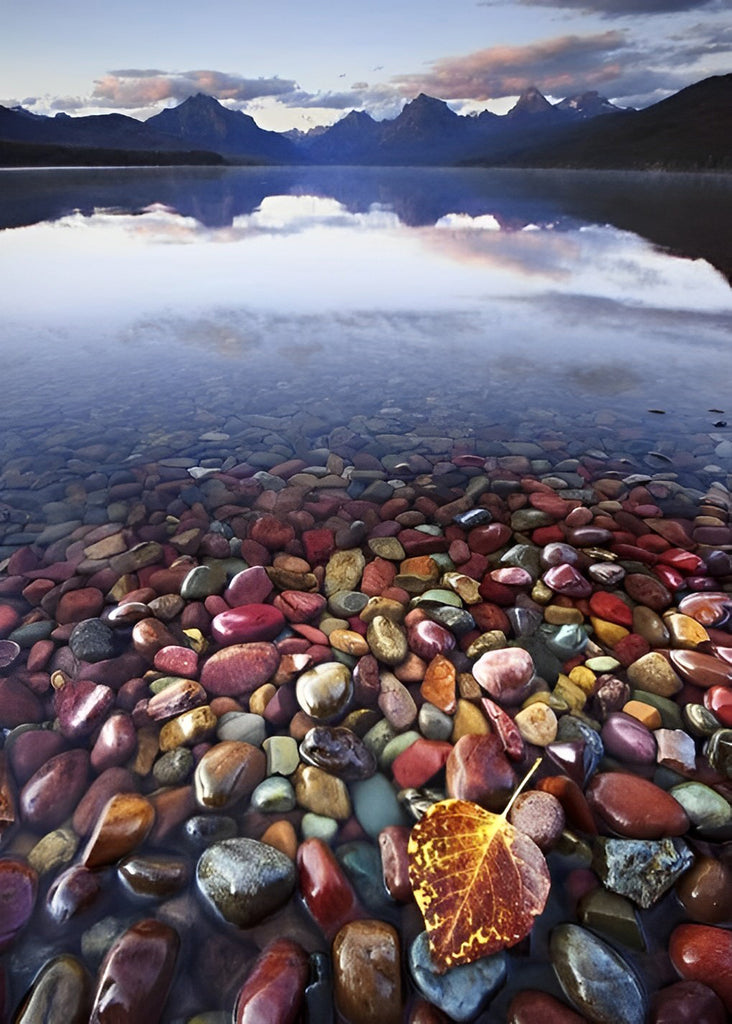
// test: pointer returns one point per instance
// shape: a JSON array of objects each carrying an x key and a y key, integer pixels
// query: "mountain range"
[{"x": 690, "y": 130}]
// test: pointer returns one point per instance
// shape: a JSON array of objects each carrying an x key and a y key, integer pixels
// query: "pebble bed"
[{"x": 237, "y": 666}]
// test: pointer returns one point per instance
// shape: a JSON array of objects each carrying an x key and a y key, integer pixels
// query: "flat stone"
[
  {"x": 635, "y": 807},
  {"x": 238, "y": 670}
]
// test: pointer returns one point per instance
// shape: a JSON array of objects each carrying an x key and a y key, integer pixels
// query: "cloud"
[
  {"x": 140, "y": 88},
  {"x": 616, "y": 8},
  {"x": 559, "y": 66}
]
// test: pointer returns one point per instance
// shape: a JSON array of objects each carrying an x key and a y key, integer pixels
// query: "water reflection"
[{"x": 688, "y": 215}]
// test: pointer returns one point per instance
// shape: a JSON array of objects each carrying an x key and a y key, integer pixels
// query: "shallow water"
[{"x": 155, "y": 320}]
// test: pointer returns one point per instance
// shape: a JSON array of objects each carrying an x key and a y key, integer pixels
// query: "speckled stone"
[
  {"x": 641, "y": 869},
  {"x": 244, "y": 880},
  {"x": 367, "y": 973}
]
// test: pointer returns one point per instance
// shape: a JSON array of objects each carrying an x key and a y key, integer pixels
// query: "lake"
[{"x": 278, "y": 395}]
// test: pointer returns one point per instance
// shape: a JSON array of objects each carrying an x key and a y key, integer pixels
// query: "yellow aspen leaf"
[{"x": 478, "y": 881}]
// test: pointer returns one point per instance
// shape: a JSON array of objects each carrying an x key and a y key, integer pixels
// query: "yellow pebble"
[
  {"x": 468, "y": 720},
  {"x": 349, "y": 642},
  {"x": 608, "y": 633},
  {"x": 197, "y": 640},
  {"x": 556, "y": 615},
  {"x": 685, "y": 632},
  {"x": 583, "y": 677},
  {"x": 541, "y": 593},
  {"x": 574, "y": 695}
]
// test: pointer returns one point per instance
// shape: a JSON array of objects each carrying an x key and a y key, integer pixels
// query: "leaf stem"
[{"x": 522, "y": 785}]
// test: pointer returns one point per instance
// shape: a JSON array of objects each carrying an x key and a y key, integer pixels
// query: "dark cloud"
[
  {"x": 616, "y": 8},
  {"x": 136, "y": 88}
]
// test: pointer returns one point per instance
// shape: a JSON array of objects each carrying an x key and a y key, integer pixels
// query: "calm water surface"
[{"x": 517, "y": 293}]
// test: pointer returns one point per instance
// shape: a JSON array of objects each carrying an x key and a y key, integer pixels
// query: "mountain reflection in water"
[{"x": 686, "y": 215}]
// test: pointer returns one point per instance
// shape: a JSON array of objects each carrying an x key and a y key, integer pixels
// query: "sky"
[{"x": 296, "y": 64}]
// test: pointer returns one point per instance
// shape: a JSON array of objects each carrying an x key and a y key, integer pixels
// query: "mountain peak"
[{"x": 530, "y": 103}]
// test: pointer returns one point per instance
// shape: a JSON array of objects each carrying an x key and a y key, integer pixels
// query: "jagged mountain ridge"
[{"x": 692, "y": 129}]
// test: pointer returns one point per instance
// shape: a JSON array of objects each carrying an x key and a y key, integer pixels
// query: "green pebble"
[
  {"x": 318, "y": 826},
  {"x": 274, "y": 795},
  {"x": 397, "y": 746},
  {"x": 376, "y": 806},
  {"x": 705, "y": 807}
]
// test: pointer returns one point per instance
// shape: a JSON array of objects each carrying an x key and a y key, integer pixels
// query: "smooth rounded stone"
[
  {"x": 540, "y": 816},
  {"x": 81, "y": 706},
  {"x": 136, "y": 974},
  {"x": 247, "y": 624},
  {"x": 387, "y": 640},
  {"x": 274, "y": 990},
  {"x": 653, "y": 673},
  {"x": 122, "y": 826},
  {"x": 705, "y": 891},
  {"x": 701, "y": 952},
  {"x": 191, "y": 727},
  {"x": 427, "y": 639},
  {"x": 635, "y": 807},
  {"x": 18, "y": 890},
  {"x": 72, "y": 892},
  {"x": 641, "y": 869},
  {"x": 537, "y": 724},
  {"x": 116, "y": 742},
  {"x": 242, "y": 726},
  {"x": 478, "y": 770},
  {"x": 155, "y": 877},
  {"x": 627, "y": 739},
  {"x": 648, "y": 591},
  {"x": 460, "y": 992},
  {"x": 595, "y": 978},
  {"x": 367, "y": 973},
  {"x": 433, "y": 723},
  {"x": 203, "y": 829},
  {"x": 52, "y": 792},
  {"x": 28, "y": 748},
  {"x": 244, "y": 880},
  {"x": 107, "y": 784},
  {"x": 699, "y": 721},
  {"x": 53, "y": 851},
  {"x": 238, "y": 670},
  {"x": 701, "y": 669},
  {"x": 228, "y": 772},
  {"x": 338, "y": 750},
  {"x": 322, "y": 793},
  {"x": 325, "y": 691},
  {"x": 92, "y": 640},
  {"x": 250, "y": 586},
  {"x": 318, "y": 826},
  {"x": 375, "y": 805},
  {"x": 274, "y": 794},
  {"x": 532, "y": 1006},
  {"x": 705, "y": 808},
  {"x": 282, "y": 755},
  {"x": 203, "y": 581},
  {"x": 505, "y": 674},
  {"x": 396, "y": 702},
  {"x": 325, "y": 888},
  {"x": 60, "y": 994},
  {"x": 177, "y": 696},
  {"x": 614, "y": 917},
  {"x": 687, "y": 1001}
]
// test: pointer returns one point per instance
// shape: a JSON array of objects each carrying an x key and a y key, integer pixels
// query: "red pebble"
[
  {"x": 687, "y": 1001},
  {"x": 419, "y": 762},
  {"x": 719, "y": 700},
  {"x": 327, "y": 893},
  {"x": 534, "y": 1007},
  {"x": 701, "y": 952},
  {"x": 274, "y": 990},
  {"x": 393, "y": 842},
  {"x": 611, "y": 608}
]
